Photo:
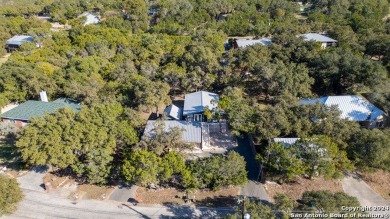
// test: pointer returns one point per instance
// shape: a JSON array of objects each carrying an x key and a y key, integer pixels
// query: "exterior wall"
[
  {"x": 325, "y": 45},
  {"x": 191, "y": 117},
  {"x": 18, "y": 123}
]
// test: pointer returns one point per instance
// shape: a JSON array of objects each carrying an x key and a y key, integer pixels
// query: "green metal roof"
[{"x": 34, "y": 108}]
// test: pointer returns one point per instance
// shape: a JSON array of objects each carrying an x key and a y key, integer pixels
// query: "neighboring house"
[
  {"x": 352, "y": 107},
  {"x": 16, "y": 41},
  {"x": 286, "y": 141},
  {"x": 90, "y": 18},
  {"x": 192, "y": 132},
  {"x": 322, "y": 39},
  {"x": 196, "y": 103},
  {"x": 242, "y": 43},
  {"x": 222, "y": 17},
  {"x": 23, "y": 113}
]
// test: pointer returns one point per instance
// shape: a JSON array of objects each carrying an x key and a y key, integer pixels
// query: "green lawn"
[{"x": 8, "y": 154}]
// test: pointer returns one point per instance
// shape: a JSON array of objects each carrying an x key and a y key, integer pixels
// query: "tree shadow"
[
  {"x": 218, "y": 201},
  {"x": 40, "y": 169},
  {"x": 190, "y": 211},
  {"x": 142, "y": 215},
  {"x": 9, "y": 155}
]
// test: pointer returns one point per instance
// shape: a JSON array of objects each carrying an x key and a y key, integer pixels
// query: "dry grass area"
[
  {"x": 222, "y": 197},
  {"x": 14, "y": 173},
  {"x": 296, "y": 189},
  {"x": 379, "y": 181},
  {"x": 4, "y": 58},
  {"x": 57, "y": 181},
  {"x": 94, "y": 192}
]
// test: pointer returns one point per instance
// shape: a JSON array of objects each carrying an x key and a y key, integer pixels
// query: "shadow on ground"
[
  {"x": 186, "y": 211},
  {"x": 142, "y": 215},
  {"x": 9, "y": 156},
  {"x": 219, "y": 201}
]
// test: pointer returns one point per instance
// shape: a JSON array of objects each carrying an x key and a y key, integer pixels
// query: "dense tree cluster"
[
  {"x": 86, "y": 142},
  {"x": 146, "y": 168},
  {"x": 217, "y": 172},
  {"x": 317, "y": 156},
  {"x": 143, "y": 53}
]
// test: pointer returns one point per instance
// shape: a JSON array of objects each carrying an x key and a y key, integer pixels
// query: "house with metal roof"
[
  {"x": 353, "y": 108},
  {"x": 322, "y": 39},
  {"x": 16, "y": 41},
  {"x": 196, "y": 103},
  {"x": 24, "y": 112},
  {"x": 242, "y": 43},
  {"x": 286, "y": 141}
]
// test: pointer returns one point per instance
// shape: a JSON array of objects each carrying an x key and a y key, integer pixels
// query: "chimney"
[{"x": 43, "y": 96}]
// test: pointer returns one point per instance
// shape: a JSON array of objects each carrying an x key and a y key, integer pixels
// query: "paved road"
[
  {"x": 39, "y": 204},
  {"x": 42, "y": 205},
  {"x": 356, "y": 187},
  {"x": 253, "y": 188}
]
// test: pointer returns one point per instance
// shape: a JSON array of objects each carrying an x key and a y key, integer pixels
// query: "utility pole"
[
  {"x": 243, "y": 208},
  {"x": 244, "y": 215}
]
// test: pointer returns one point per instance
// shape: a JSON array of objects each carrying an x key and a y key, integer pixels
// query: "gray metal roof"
[
  {"x": 19, "y": 40},
  {"x": 245, "y": 43},
  {"x": 352, "y": 107},
  {"x": 174, "y": 111},
  {"x": 318, "y": 38},
  {"x": 192, "y": 131},
  {"x": 286, "y": 141},
  {"x": 91, "y": 18},
  {"x": 196, "y": 102}
]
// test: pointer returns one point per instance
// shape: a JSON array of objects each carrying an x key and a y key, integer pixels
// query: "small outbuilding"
[{"x": 173, "y": 112}]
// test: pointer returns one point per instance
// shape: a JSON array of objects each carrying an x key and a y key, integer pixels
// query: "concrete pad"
[
  {"x": 354, "y": 186},
  {"x": 33, "y": 180},
  {"x": 124, "y": 194}
]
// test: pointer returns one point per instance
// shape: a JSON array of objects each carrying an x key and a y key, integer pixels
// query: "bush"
[{"x": 10, "y": 195}]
